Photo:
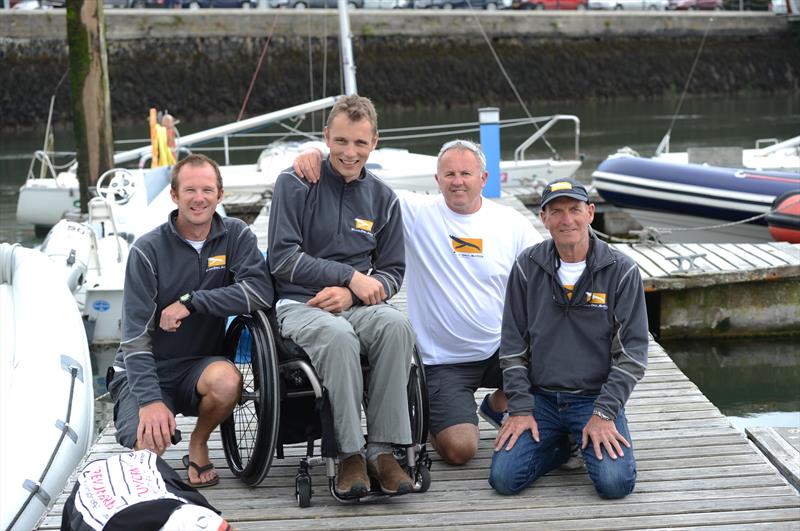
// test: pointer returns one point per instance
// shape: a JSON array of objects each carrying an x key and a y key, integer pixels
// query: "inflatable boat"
[{"x": 46, "y": 394}]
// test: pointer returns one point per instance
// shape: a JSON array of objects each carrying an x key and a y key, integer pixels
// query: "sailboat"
[{"x": 48, "y": 193}]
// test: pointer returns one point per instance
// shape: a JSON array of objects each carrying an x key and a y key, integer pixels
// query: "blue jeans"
[{"x": 557, "y": 415}]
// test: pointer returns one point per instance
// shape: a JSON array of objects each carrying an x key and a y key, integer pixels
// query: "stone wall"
[{"x": 197, "y": 64}]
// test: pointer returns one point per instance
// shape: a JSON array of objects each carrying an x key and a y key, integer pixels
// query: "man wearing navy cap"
[{"x": 574, "y": 344}]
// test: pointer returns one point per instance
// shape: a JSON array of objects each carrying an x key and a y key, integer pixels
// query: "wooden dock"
[{"x": 694, "y": 471}]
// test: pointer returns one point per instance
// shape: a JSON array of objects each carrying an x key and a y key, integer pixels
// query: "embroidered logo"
[
  {"x": 563, "y": 185},
  {"x": 216, "y": 262},
  {"x": 363, "y": 226},
  {"x": 467, "y": 246},
  {"x": 595, "y": 298}
]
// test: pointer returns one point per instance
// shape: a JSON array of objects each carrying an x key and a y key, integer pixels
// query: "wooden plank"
[
  {"x": 786, "y": 251},
  {"x": 702, "y": 262},
  {"x": 757, "y": 251},
  {"x": 718, "y": 262},
  {"x": 732, "y": 256},
  {"x": 646, "y": 265},
  {"x": 658, "y": 253},
  {"x": 782, "y": 447},
  {"x": 743, "y": 251}
]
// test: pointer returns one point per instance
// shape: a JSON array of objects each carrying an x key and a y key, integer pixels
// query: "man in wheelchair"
[{"x": 336, "y": 252}]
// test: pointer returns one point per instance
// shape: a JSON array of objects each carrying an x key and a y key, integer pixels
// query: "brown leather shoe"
[
  {"x": 390, "y": 475},
  {"x": 352, "y": 480}
]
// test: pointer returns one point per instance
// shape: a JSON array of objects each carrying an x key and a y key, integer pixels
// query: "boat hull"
[
  {"x": 692, "y": 189},
  {"x": 46, "y": 393}
]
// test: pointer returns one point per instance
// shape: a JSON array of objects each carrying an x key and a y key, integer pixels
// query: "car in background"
[
  {"x": 629, "y": 5},
  {"x": 549, "y": 4},
  {"x": 332, "y": 4},
  {"x": 197, "y": 4},
  {"x": 691, "y": 5},
  {"x": 488, "y": 5}
]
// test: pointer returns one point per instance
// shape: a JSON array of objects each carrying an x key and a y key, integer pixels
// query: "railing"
[{"x": 519, "y": 153}]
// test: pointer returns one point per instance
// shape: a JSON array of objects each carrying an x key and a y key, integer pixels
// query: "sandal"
[{"x": 199, "y": 469}]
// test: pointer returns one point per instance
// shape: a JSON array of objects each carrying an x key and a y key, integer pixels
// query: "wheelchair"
[{"x": 284, "y": 402}]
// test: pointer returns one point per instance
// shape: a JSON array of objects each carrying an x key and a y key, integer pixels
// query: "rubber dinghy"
[{"x": 46, "y": 393}]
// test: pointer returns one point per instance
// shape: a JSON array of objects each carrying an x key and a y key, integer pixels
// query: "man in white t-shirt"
[{"x": 460, "y": 248}]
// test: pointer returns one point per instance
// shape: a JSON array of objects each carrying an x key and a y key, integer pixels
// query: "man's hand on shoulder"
[
  {"x": 334, "y": 299},
  {"x": 512, "y": 428},
  {"x": 172, "y": 315},
  {"x": 308, "y": 164},
  {"x": 603, "y": 433},
  {"x": 369, "y": 290},
  {"x": 156, "y": 425}
]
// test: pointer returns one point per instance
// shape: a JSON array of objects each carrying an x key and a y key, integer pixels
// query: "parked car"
[
  {"x": 197, "y": 4},
  {"x": 549, "y": 4},
  {"x": 683, "y": 5},
  {"x": 328, "y": 4},
  {"x": 489, "y": 5},
  {"x": 650, "y": 5}
]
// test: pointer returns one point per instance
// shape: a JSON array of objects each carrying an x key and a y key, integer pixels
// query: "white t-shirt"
[
  {"x": 457, "y": 268},
  {"x": 569, "y": 273}
]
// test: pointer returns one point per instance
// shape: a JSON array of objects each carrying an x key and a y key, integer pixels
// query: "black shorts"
[
  {"x": 179, "y": 394},
  {"x": 451, "y": 390}
]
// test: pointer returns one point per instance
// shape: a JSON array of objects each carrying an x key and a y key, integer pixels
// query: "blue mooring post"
[{"x": 489, "y": 118}]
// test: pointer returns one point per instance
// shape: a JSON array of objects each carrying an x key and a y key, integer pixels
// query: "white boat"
[
  {"x": 769, "y": 154},
  {"x": 46, "y": 393},
  {"x": 91, "y": 251}
]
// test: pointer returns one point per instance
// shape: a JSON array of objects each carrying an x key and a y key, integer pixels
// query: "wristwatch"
[
  {"x": 601, "y": 414},
  {"x": 186, "y": 300}
]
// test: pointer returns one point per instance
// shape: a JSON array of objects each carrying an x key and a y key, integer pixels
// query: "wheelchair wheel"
[
  {"x": 250, "y": 434},
  {"x": 418, "y": 401}
]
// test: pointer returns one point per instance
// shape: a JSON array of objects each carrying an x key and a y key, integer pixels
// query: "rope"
[
  {"x": 310, "y": 64},
  {"x": 507, "y": 77},
  {"x": 258, "y": 68},
  {"x": 689, "y": 78}
]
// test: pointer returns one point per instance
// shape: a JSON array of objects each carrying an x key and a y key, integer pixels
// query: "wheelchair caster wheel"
[
  {"x": 424, "y": 478},
  {"x": 302, "y": 487}
]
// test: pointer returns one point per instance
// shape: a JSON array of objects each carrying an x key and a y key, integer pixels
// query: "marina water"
[{"x": 755, "y": 382}]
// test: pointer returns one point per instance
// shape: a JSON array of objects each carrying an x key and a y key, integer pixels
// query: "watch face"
[{"x": 186, "y": 297}]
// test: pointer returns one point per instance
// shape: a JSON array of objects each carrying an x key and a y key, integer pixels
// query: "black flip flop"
[{"x": 199, "y": 469}]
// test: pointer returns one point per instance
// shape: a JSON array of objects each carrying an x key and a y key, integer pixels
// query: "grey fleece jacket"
[
  {"x": 589, "y": 345},
  {"x": 228, "y": 277},
  {"x": 319, "y": 234}
]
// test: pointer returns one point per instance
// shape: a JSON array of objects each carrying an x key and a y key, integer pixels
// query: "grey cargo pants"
[{"x": 334, "y": 343}]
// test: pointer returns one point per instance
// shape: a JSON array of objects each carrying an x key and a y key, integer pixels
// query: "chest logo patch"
[
  {"x": 467, "y": 246},
  {"x": 363, "y": 225},
  {"x": 595, "y": 298},
  {"x": 215, "y": 262}
]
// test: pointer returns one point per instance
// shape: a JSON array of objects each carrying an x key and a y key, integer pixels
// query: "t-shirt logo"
[
  {"x": 216, "y": 262},
  {"x": 363, "y": 225},
  {"x": 466, "y": 245}
]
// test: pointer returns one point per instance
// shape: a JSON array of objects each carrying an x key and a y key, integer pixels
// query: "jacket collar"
[
  {"x": 546, "y": 255},
  {"x": 337, "y": 178},
  {"x": 217, "y": 226}
]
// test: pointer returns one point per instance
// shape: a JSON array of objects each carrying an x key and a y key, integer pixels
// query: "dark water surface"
[{"x": 754, "y": 382}]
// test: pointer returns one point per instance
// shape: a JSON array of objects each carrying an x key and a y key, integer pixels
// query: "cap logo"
[{"x": 563, "y": 185}]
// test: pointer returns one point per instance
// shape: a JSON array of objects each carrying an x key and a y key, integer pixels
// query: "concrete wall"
[{"x": 201, "y": 62}]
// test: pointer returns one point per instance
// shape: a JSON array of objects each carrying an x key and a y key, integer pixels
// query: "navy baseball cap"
[{"x": 564, "y": 188}]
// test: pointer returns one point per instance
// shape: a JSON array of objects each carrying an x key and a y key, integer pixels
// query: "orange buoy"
[{"x": 784, "y": 219}]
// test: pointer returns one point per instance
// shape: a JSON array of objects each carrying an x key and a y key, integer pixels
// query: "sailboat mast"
[{"x": 348, "y": 62}]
